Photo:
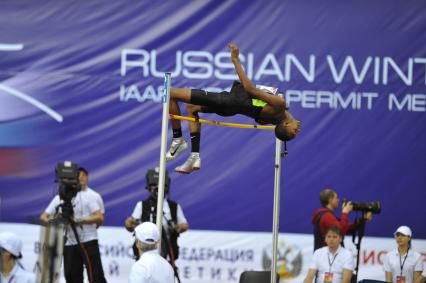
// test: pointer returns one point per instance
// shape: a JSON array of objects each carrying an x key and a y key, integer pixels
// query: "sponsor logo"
[{"x": 289, "y": 260}]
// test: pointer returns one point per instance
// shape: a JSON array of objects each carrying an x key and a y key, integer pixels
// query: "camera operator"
[
  {"x": 174, "y": 221},
  {"x": 88, "y": 215},
  {"x": 324, "y": 217}
]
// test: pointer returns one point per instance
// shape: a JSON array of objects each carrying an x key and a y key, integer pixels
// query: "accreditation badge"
[
  {"x": 400, "y": 279},
  {"x": 328, "y": 277}
]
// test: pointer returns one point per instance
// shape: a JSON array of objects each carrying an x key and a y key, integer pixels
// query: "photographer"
[
  {"x": 87, "y": 216},
  {"x": 174, "y": 221},
  {"x": 324, "y": 217}
]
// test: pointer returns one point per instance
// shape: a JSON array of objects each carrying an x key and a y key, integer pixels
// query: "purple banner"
[{"x": 83, "y": 81}]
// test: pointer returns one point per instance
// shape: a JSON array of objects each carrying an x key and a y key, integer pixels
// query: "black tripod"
[
  {"x": 65, "y": 219},
  {"x": 357, "y": 236},
  {"x": 168, "y": 247}
]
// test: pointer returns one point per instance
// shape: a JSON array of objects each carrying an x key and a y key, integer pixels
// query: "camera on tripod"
[
  {"x": 152, "y": 179},
  {"x": 66, "y": 174},
  {"x": 374, "y": 207}
]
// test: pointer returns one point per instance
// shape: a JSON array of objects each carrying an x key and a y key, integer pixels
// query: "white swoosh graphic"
[
  {"x": 11, "y": 47},
  {"x": 43, "y": 107}
]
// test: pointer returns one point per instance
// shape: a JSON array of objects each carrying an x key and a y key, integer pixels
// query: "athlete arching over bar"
[{"x": 244, "y": 98}]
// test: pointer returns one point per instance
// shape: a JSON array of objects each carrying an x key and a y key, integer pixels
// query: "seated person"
[{"x": 332, "y": 263}]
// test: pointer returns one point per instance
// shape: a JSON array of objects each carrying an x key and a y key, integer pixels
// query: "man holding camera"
[
  {"x": 324, "y": 217},
  {"x": 174, "y": 221},
  {"x": 88, "y": 215}
]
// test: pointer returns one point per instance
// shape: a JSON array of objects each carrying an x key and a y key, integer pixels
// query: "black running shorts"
[
  {"x": 221, "y": 103},
  {"x": 224, "y": 103}
]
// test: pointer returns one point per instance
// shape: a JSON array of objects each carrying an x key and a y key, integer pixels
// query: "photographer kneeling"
[{"x": 325, "y": 217}]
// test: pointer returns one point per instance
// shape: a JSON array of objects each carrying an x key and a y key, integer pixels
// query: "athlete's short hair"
[{"x": 282, "y": 132}]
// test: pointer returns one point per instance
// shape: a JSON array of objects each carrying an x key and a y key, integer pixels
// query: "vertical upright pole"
[
  {"x": 163, "y": 148},
  {"x": 276, "y": 219}
]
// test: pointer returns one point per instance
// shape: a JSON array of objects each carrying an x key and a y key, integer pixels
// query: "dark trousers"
[{"x": 74, "y": 259}]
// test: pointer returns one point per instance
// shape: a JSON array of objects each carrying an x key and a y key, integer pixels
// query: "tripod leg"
[
  {"x": 358, "y": 232},
  {"x": 50, "y": 257}
]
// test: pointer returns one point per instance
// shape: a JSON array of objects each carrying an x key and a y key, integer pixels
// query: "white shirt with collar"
[
  {"x": 181, "y": 219},
  {"x": 18, "y": 275},
  {"x": 393, "y": 261},
  {"x": 151, "y": 268},
  {"x": 343, "y": 259},
  {"x": 85, "y": 203}
]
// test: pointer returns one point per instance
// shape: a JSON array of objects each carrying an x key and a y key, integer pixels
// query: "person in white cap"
[
  {"x": 403, "y": 264},
  {"x": 151, "y": 267},
  {"x": 11, "y": 270}
]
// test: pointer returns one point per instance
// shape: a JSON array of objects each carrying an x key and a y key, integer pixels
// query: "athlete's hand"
[{"x": 235, "y": 51}]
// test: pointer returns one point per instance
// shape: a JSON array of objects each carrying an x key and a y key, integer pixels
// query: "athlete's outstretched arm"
[
  {"x": 273, "y": 100},
  {"x": 245, "y": 81}
]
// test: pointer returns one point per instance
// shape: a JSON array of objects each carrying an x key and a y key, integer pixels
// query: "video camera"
[
  {"x": 374, "y": 207},
  {"x": 152, "y": 179},
  {"x": 66, "y": 174}
]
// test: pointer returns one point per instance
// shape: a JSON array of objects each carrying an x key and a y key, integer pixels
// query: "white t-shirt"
[
  {"x": 412, "y": 263},
  {"x": 85, "y": 203},
  {"x": 137, "y": 213},
  {"x": 18, "y": 275},
  {"x": 151, "y": 268},
  {"x": 324, "y": 261}
]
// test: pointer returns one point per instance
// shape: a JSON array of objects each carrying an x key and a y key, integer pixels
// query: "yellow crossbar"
[{"x": 224, "y": 124}]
